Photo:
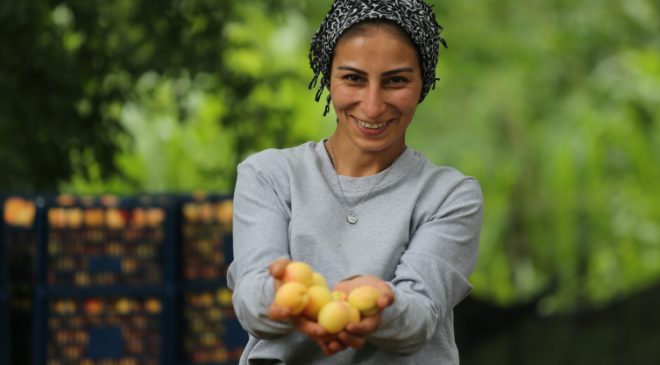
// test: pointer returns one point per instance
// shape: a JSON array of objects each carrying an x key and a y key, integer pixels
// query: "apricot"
[
  {"x": 338, "y": 295},
  {"x": 354, "y": 313},
  {"x": 225, "y": 212},
  {"x": 292, "y": 295},
  {"x": 318, "y": 297},
  {"x": 93, "y": 306},
  {"x": 318, "y": 279},
  {"x": 300, "y": 272},
  {"x": 334, "y": 316},
  {"x": 365, "y": 299},
  {"x": 153, "y": 306},
  {"x": 114, "y": 219}
]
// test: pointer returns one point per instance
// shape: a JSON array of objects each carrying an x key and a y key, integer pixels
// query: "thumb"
[{"x": 277, "y": 267}]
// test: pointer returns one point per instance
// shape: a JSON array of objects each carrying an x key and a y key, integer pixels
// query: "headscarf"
[{"x": 415, "y": 17}]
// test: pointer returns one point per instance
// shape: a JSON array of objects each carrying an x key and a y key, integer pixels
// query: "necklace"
[{"x": 351, "y": 218}]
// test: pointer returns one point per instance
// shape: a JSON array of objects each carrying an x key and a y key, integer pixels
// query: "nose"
[{"x": 373, "y": 103}]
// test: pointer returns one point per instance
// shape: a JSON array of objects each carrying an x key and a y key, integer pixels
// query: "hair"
[
  {"x": 414, "y": 18},
  {"x": 362, "y": 28}
]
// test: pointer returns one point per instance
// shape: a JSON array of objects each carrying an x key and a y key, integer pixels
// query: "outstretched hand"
[
  {"x": 355, "y": 334},
  {"x": 278, "y": 313},
  {"x": 386, "y": 295}
]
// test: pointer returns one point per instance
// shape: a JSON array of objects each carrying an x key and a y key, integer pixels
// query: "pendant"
[{"x": 351, "y": 218}]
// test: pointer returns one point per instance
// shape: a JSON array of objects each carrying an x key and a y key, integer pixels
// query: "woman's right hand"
[{"x": 310, "y": 328}]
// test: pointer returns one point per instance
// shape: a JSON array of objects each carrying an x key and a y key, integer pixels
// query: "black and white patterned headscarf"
[{"x": 415, "y": 17}]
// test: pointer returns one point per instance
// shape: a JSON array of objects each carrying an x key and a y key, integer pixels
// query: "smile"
[{"x": 364, "y": 124}]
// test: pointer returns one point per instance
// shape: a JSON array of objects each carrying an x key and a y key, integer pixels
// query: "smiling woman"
[
  {"x": 375, "y": 86},
  {"x": 360, "y": 207}
]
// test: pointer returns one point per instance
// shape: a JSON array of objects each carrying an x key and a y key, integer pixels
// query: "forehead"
[
  {"x": 373, "y": 25},
  {"x": 376, "y": 44}
]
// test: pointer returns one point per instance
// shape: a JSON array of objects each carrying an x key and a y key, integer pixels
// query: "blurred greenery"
[{"x": 553, "y": 105}]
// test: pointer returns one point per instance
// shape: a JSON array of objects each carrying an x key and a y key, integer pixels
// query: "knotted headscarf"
[{"x": 415, "y": 17}]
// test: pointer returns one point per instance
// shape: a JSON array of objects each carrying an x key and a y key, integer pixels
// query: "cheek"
[
  {"x": 342, "y": 97},
  {"x": 406, "y": 102}
]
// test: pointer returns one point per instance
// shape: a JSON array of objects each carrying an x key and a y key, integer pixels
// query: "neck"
[{"x": 350, "y": 161}]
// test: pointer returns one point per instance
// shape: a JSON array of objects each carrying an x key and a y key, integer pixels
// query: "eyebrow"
[{"x": 386, "y": 73}]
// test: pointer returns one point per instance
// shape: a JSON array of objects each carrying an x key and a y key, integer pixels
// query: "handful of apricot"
[{"x": 306, "y": 293}]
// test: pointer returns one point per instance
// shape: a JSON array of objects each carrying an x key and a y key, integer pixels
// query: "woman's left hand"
[
  {"x": 355, "y": 334},
  {"x": 386, "y": 295}
]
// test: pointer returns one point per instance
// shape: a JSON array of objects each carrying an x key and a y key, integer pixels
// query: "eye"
[
  {"x": 396, "y": 80},
  {"x": 352, "y": 77}
]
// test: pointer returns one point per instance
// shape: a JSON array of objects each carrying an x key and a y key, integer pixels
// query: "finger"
[
  {"x": 335, "y": 346},
  {"x": 310, "y": 328},
  {"x": 343, "y": 286},
  {"x": 350, "y": 340},
  {"x": 277, "y": 267},
  {"x": 365, "y": 326},
  {"x": 330, "y": 347},
  {"x": 384, "y": 301},
  {"x": 277, "y": 313},
  {"x": 324, "y": 347}
]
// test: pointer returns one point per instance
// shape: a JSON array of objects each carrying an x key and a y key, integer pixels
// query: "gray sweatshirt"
[{"x": 418, "y": 229}]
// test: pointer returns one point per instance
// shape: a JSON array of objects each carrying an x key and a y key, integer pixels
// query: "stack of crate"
[
  {"x": 118, "y": 281},
  {"x": 105, "y": 277},
  {"x": 211, "y": 332},
  {"x": 18, "y": 245}
]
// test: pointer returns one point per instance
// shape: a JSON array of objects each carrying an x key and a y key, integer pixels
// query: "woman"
[{"x": 360, "y": 207}]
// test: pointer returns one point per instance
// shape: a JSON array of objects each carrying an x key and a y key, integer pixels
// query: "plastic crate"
[
  {"x": 106, "y": 290},
  {"x": 206, "y": 239},
  {"x": 20, "y": 240},
  {"x": 211, "y": 332},
  {"x": 104, "y": 329},
  {"x": 107, "y": 242},
  {"x": 17, "y": 252}
]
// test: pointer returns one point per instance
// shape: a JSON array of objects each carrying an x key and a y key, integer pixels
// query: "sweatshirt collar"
[{"x": 403, "y": 166}]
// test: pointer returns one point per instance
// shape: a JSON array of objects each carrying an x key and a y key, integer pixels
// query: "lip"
[{"x": 370, "y": 131}]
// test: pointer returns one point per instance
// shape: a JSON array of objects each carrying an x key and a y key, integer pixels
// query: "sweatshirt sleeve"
[
  {"x": 260, "y": 235},
  {"x": 432, "y": 275}
]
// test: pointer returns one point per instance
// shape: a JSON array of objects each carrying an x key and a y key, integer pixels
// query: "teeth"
[{"x": 364, "y": 124}]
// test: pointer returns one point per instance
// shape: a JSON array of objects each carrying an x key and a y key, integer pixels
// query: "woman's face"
[{"x": 375, "y": 85}]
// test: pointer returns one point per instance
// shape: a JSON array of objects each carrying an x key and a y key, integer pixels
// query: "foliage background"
[{"x": 553, "y": 105}]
